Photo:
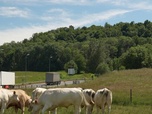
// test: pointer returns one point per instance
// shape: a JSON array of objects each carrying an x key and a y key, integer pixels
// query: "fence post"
[{"x": 131, "y": 95}]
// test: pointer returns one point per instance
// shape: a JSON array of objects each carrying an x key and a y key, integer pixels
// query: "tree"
[
  {"x": 102, "y": 68},
  {"x": 95, "y": 55},
  {"x": 80, "y": 61},
  {"x": 135, "y": 57},
  {"x": 70, "y": 64},
  {"x": 125, "y": 45}
]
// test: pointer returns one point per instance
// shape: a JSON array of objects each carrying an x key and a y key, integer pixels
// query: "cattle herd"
[{"x": 42, "y": 100}]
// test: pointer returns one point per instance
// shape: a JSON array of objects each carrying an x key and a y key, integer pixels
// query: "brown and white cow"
[
  {"x": 24, "y": 101},
  {"x": 7, "y": 97},
  {"x": 89, "y": 95},
  {"x": 59, "y": 97},
  {"x": 102, "y": 98}
]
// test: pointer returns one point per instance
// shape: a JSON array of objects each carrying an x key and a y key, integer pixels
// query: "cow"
[
  {"x": 89, "y": 95},
  {"x": 7, "y": 97},
  {"x": 59, "y": 97},
  {"x": 37, "y": 92},
  {"x": 102, "y": 98},
  {"x": 24, "y": 101}
]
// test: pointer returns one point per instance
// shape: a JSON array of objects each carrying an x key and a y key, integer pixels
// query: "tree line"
[{"x": 95, "y": 49}]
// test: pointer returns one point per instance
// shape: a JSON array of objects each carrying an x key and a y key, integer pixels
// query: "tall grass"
[{"x": 120, "y": 83}]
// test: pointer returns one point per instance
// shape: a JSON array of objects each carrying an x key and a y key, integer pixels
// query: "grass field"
[
  {"x": 31, "y": 77},
  {"x": 120, "y": 83}
]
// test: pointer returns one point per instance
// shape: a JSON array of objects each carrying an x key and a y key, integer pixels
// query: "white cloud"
[
  {"x": 140, "y": 6},
  {"x": 60, "y": 12},
  {"x": 71, "y": 2},
  {"x": 98, "y": 17},
  {"x": 13, "y": 12},
  {"x": 39, "y": 2},
  {"x": 129, "y": 4},
  {"x": 102, "y": 1},
  {"x": 86, "y": 19},
  {"x": 136, "y": 4},
  {"x": 19, "y": 34},
  {"x": 115, "y": 2},
  {"x": 55, "y": 15},
  {"x": 121, "y": 3}
]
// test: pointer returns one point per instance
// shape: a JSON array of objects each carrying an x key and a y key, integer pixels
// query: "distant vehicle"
[
  {"x": 7, "y": 79},
  {"x": 52, "y": 78}
]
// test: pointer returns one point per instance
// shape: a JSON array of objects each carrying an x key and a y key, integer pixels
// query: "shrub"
[
  {"x": 70, "y": 64},
  {"x": 102, "y": 68}
]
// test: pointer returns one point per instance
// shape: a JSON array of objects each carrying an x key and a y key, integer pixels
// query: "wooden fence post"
[{"x": 131, "y": 95}]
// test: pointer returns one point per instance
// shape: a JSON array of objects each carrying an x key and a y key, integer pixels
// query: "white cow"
[
  {"x": 102, "y": 98},
  {"x": 59, "y": 97},
  {"x": 89, "y": 95},
  {"x": 7, "y": 97},
  {"x": 37, "y": 92}
]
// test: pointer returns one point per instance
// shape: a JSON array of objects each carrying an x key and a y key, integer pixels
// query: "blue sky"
[{"x": 20, "y": 19}]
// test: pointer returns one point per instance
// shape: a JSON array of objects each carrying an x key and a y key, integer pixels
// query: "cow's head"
[
  {"x": 14, "y": 97},
  {"x": 34, "y": 106},
  {"x": 28, "y": 102}
]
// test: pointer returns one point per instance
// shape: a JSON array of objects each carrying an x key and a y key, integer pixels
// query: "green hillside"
[{"x": 94, "y": 49}]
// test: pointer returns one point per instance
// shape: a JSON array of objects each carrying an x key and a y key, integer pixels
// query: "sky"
[{"x": 20, "y": 19}]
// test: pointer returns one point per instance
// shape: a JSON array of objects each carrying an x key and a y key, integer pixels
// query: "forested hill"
[{"x": 95, "y": 49}]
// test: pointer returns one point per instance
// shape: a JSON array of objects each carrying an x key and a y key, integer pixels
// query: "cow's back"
[
  {"x": 62, "y": 97},
  {"x": 3, "y": 95},
  {"x": 89, "y": 95},
  {"x": 23, "y": 96},
  {"x": 24, "y": 100},
  {"x": 7, "y": 97},
  {"x": 103, "y": 96}
]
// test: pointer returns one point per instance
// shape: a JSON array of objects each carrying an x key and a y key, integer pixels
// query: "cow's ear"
[
  {"x": 14, "y": 92},
  {"x": 36, "y": 101}
]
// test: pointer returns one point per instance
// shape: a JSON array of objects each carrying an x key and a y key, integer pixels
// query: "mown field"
[
  {"x": 34, "y": 77},
  {"x": 120, "y": 83}
]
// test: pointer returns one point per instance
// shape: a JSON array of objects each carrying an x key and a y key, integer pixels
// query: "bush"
[
  {"x": 102, "y": 68},
  {"x": 70, "y": 64},
  {"x": 122, "y": 68}
]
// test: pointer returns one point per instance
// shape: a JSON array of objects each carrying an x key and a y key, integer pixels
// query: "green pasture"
[
  {"x": 120, "y": 83},
  {"x": 34, "y": 77}
]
